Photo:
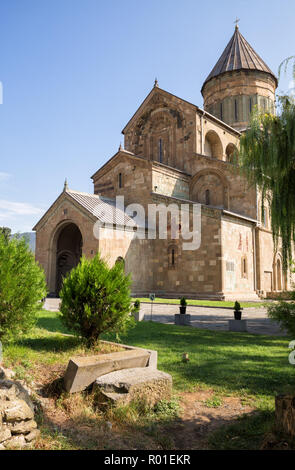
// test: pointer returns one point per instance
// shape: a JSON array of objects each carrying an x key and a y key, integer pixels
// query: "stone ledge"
[
  {"x": 144, "y": 383},
  {"x": 83, "y": 371}
]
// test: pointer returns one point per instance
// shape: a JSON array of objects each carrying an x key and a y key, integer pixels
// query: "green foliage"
[
  {"x": 22, "y": 287},
  {"x": 183, "y": 302},
  {"x": 136, "y": 306},
  {"x": 267, "y": 159},
  {"x": 237, "y": 306},
  {"x": 167, "y": 409},
  {"x": 6, "y": 232},
  {"x": 213, "y": 402},
  {"x": 96, "y": 299},
  {"x": 284, "y": 314}
]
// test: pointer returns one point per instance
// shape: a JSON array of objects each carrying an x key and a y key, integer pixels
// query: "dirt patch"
[
  {"x": 75, "y": 418},
  {"x": 202, "y": 413}
]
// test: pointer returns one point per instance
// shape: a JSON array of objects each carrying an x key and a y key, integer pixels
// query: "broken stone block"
[
  {"x": 82, "y": 371},
  {"x": 18, "y": 410},
  {"x": 121, "y": 387},
  {"x": 10, "y": 390},
  {"x": 32, "y": 435},
  {"x": 4, "y": 434},
  {"x": 16, "y": 442},
  {"x": 23, "y": 427}
]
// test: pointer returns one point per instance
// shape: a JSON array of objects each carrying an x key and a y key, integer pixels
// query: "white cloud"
[
  {"x": 9, "y": 208},
  {"x": 4, "y": 176}
]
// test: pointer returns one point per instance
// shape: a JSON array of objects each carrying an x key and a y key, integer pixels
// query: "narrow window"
[
  {"x": 250, "y": 105},
  {"x": 160, "y": 150},
  {"x": 244, "y": 267},
  {"x": 207, "y": 197},
  {"x": 172, "y": 254},
  {"x": 173, "y": 257},
  {"x": 120, "y": 180},
  {"x": 236, "y": 110},
  {"x": 221, "y": 112}
]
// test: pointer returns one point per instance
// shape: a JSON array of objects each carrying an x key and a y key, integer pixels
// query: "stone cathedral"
[{"x": 176, "y": 152}]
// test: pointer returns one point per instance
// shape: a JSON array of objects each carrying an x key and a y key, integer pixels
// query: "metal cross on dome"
[{"x": 236, "y": 22}]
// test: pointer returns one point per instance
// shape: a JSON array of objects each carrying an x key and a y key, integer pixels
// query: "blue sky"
[{"x": 74, "y": 72}]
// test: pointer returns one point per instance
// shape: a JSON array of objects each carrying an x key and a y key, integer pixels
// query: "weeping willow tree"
[{"x": 267, "y": 159}]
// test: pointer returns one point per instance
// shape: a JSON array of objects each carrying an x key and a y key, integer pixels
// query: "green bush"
[
  {"x": 95, "y": 299},
  {"x": 284, "y": 314},
  {"x": 22, "y": 287},
  {"x": 183, "y": 302},
  {"x": 237, "y": 306}
]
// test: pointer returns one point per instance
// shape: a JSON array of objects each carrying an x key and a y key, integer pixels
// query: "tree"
[
  {"x": 6, "y": 231},
  {"x": 95, "y": 299},
  {"x": 267, "y": 159},
  {"x": 22, "y": 287}
]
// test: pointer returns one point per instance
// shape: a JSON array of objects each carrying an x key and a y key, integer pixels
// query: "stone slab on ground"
[
  {"x": 145, "y": 383},
  {"x": 83, "y": 371}
]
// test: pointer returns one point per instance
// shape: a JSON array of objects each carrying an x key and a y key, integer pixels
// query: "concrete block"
[
  {"x": 237, "y": 325},
  {"x": 182, "y": 319},
  {"x": 139, "y": 316},
  {"x": 83, "y": 371}
]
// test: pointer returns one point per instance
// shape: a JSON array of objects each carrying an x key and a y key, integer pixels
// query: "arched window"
[
  {"x": 213, "y": 145},
  {"x": 231, "y": 153},
  {"x": 236, "y": 110},
  {"x": 207, "y": 197},
  {"x": 244, "y": 267},
  {"x": 160, "y": 150},
  {"x": 120, "y": 180}
]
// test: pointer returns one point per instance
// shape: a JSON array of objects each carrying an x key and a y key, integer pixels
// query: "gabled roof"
[
  {"x": 98, "y": 207},
  {"x": 104, "y": 209},
  {"x": 238, "y": 55},
  {"x": 157, "y": 89}
]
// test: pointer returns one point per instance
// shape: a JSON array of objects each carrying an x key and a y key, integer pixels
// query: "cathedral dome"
[{"x": 239, "y": 81}]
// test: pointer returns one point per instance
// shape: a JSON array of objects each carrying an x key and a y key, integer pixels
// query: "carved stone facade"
[{"x": 174, "y": 153}]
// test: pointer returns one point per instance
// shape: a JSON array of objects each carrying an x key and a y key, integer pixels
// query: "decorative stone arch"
[
  {"x": 158, "y": 124},
  {"x": 230, "y": 152},
  {"x": 62, "y": 258},
  {"x": 213, "y": 145},
  {"x": 210, "y": 184}
]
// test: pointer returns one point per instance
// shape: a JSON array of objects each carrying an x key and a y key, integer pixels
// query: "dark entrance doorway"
[{"x": 68, "y": 252}]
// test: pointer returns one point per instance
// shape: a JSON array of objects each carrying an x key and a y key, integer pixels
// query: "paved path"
[{"x": 203, "y": 317}]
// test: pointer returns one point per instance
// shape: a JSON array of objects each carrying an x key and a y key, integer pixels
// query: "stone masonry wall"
[{"x": 18, "y": 429}]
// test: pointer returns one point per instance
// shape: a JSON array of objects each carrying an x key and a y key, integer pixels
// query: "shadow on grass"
[
  {"x": 235, "y": 362},
  {"x": 54, "y": 343},
  {"x": 50, "y": 321},
  {"x": 89, "y": 432}
]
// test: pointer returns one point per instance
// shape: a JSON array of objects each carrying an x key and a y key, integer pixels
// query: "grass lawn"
[
  {"x": 204, "y": 303},
  {"x": 252, "y": 367}
]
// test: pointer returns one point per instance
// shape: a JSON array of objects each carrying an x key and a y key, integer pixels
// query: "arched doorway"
[{"x": 68, "y": 252}]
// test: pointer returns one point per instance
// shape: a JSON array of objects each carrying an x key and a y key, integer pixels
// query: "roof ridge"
[{"x": 82, "y": 193}]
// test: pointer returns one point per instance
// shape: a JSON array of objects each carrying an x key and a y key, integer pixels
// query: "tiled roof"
[
  {"x": 103, "y": 209},
  {"x": 238, "y": 55}
]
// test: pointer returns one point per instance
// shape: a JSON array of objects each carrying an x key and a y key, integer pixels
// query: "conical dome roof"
[{"x": 238, "y": 55}]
